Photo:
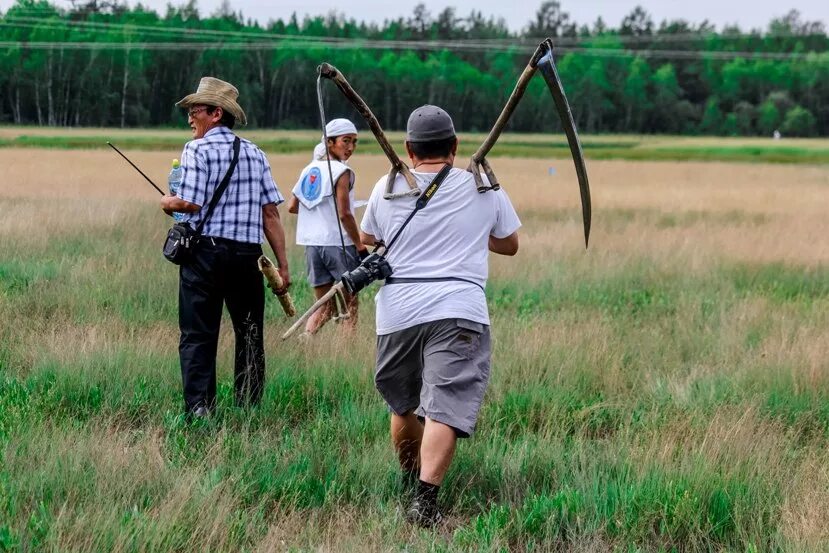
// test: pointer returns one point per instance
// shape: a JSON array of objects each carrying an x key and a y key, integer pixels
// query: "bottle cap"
[{"x": 176, "y": 163}]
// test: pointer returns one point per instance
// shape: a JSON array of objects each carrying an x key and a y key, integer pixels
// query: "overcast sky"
[{"x": 517, "y": 13}]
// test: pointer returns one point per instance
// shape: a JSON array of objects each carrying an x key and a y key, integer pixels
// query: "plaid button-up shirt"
[{"x": 238, "y": 215}]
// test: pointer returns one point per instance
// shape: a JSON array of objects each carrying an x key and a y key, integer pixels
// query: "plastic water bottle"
[{"x": 174, "y": 180}]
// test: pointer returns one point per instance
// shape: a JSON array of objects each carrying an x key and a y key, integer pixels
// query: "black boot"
[{"x": 423, "y": 511}]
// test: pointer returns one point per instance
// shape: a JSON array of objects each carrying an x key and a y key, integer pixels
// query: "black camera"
[{"x": 374, "y": 267}]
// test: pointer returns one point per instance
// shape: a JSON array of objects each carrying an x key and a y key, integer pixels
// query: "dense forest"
[{"x": 102, "y": 63}]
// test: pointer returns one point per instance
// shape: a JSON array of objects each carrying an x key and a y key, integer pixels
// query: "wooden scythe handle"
[
  {"x": 501, "y": 122},
  {"x": 330, "y": 72}
]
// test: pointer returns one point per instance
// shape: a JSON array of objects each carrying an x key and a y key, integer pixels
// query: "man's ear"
[
  {"x": 409, "y": 150},
  {"x": 218, "y": 113},
  {"x": 455, "y": 147}
]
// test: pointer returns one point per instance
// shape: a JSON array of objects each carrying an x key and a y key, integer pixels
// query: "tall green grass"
[{"x": 640, "y": 407}]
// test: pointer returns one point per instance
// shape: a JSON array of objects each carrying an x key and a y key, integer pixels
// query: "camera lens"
[
  {"x": 356, "y": 280},
  {"x": 373, "y": 267}
]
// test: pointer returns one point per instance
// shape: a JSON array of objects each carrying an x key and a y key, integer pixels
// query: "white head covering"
[
  {"x": 334, "y": 128},
  {"x": 338, "y": 127},
  {"x": 319, "y": 151}
]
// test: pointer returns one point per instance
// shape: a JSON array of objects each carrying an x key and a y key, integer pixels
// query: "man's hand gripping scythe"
[{"x": 541, "y": 60}]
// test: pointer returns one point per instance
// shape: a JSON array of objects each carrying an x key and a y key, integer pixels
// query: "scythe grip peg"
[{"x": 328, "y": 71}]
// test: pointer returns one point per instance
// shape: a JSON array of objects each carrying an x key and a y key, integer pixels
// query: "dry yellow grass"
[
  {"x": 761, "y": 212},
  {"x": 686, "y": 216},
  {"x": 805, "y": 517}
]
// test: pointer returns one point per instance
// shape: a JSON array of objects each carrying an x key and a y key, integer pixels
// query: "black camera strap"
[
  {"x": 418, "y": 280},
  {"x": 217, "y": 195},
  {"x": 423, "y": 199},
  {"x": 420, "y": 204},
  {"x": 376, "y": 267}
]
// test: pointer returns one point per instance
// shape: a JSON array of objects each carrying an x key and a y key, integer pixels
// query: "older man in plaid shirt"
[{"x": 224, "y": 269}]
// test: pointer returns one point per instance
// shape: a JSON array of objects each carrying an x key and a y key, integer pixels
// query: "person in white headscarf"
[{"x": 323, "y": 225}]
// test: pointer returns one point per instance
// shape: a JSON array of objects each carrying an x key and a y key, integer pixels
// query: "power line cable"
[
  {"x": 459, "y": 42},
  {"x": 307, "y": 41},
  {"x": 310, "y": 42},
  {"x": 101, "y": 25},
  {"x": 389, "y": 45}
]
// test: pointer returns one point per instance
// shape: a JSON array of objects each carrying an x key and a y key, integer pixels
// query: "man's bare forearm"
[
  {"x": 367, "y": 239},
  {"x": 170, "y": 203},
  {"x": 504, "y": 246},
  {"x": 347, "y": 219},
  {"x": 276, "y": 239},
  {"x": 275, "y": 234},
  {"x": 351, "y": 228},
  {"x": 293, "y": 205}
]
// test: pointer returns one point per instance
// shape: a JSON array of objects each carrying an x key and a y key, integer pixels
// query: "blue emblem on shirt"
[{"x": 312, "y": 184}]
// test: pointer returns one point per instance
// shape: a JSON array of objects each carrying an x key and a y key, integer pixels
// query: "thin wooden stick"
[{"x": 313, "y": 309}]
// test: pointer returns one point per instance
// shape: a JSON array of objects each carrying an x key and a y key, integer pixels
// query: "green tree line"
[{"x": 102, "y": 63}]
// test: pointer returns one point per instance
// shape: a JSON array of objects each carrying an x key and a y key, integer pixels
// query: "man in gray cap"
[
  {"x": 224, "y": 269},
  {"x": 433, "y": 341}
]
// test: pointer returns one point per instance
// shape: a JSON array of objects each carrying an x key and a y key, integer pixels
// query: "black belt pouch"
[{"x": 178, "y": 247}]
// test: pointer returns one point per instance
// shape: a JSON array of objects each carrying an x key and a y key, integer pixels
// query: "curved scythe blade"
[{"x": 547, "y": 67}]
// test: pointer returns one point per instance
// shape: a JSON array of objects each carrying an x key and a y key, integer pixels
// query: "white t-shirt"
[
  {"x": 447, "y": 238},
  {"x": 317, "y": 226}
]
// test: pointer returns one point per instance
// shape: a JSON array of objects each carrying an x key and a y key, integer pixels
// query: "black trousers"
[{"x": 222, "y": 271}]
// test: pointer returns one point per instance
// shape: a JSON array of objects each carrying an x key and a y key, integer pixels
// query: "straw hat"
[{"x": 215, "y": 92}]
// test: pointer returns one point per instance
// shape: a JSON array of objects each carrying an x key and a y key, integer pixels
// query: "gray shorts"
[
  {"x": 438, "y": 369},
  {"x": 325, "y": 263}
]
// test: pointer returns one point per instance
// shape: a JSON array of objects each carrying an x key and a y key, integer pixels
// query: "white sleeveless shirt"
[{"x": 317, "y": 222}]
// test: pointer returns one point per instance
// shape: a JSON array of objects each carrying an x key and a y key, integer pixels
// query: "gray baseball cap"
[{"x": 428, "y": 123}]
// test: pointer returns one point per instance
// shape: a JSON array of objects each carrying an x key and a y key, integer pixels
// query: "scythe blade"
[{"x": 546, "y": 66}]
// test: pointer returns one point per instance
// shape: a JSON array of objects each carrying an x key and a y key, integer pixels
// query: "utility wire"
[
  {"x": 304, "y": 41},
  {"x": 102, "y": 25},
  {"x": 461, "y": 43},
  {"x": 388, "y": 45}
]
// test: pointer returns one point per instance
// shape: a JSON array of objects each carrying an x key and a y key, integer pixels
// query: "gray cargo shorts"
[
  {"x": 325, "y": 263},
  {"x": 438, "y": 369}
]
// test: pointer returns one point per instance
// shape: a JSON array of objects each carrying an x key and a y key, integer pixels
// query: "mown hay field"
[
  {"x": 13, "y": 132},
  {"x": 596, "y": 147},
  {"x": 664, "y": 390}
]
